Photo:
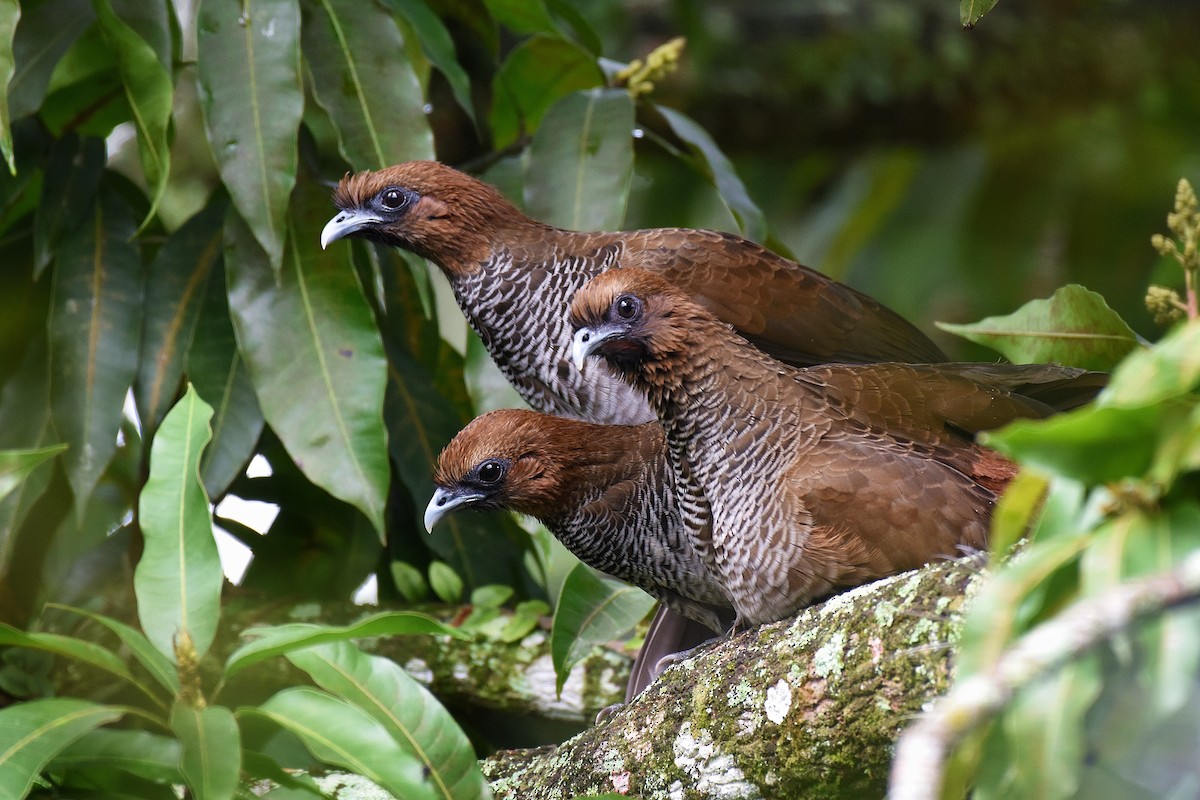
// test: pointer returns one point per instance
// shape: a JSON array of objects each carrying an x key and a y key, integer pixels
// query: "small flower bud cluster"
[{"x": 638, "y": 78}]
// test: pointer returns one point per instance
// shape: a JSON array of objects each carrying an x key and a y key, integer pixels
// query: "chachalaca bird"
[
  {"x": 798, "y": 482},
  {"x": 605, "y": 491},
  {"x": 513, "y": 278}
]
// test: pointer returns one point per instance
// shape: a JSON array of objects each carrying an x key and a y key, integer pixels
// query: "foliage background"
[{"x": 162, "y": 217}]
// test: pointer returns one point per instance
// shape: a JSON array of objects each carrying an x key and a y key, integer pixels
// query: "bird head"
[
  {"x": 504, "y": 459},
  {"x": 627, "y": 316},
  {"x": 433, "y": 210}
]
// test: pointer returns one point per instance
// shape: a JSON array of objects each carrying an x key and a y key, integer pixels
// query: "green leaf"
[
  {"x": 491, "y": 596},
  {"x": 141, "y": 753},
  {"x": 152, "y": 22},
  {"x": 1168, "y": 369},
  {"x": 409, "y": 581},
  {"x": 248, "y": 66},
  {"x": 1016, "y": 511},
  {"x": 718, "y": 169},
  {"x": 149, "y": 88},
  {"x": 158, "y": 665},
  {"x": 338, "y": 733},
  {"x": 16, "y": 465},
  {"x": 525, "y": 618},
  {"x": 176, "y": 283},
  {"x": 73, "y": 171},
  {"x": 178, "y": 579},
  {"x": 438, "y": 47},
  {"x": 1095, "y": 444},
  {"x": 445, "y": 582},
  {"x": 68, "y": 647},
  {"x": 535, "y": 75},
  {"x": 1074, "y": 327},
  {"x": 312, "y": 335},
  {"x": 216, "y": 369},
  {"x": 44, "y": 33},
  {"x": 94, "y": 324},
  {"x": 581, "y": 161},
  {"x": 409, "y": 713},
  {"x": 591, "y": 611},
  {"x": 970, "y": 11},
  {"x": 279, "y": 639},
  {"x": 354, "y": 52},
  {"x": 32, "y": 733},
  {"x": 210, "y": 750},
  {"x": 522, "y": 16},
  {"x": 10, "y": 13}
]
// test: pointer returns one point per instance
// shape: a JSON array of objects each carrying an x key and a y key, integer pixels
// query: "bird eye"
[
  {"x": 627, "y": 306},
  {"x": 490, "y": 472},
  {"x": 392, "y": 199}
]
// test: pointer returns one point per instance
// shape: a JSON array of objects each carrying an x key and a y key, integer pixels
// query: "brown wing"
[{"x": 792, "y": 312}]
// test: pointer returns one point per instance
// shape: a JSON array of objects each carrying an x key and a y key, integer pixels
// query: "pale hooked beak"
[
  {"x": 346, "y": 223},
  {"x": 587, "y": 340},
  {"x": 444, "y": 501}
]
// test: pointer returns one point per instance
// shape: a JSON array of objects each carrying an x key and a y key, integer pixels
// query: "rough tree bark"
[{"x": 808, "y": 707}]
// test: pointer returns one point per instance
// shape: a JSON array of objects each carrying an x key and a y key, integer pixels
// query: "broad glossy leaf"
[
  {"x": 73, "y": 172},
  {"x": 158, "y": 665},
  {"x": 44, "y": 34},
  {"x": 1168, "y": 369},
  {"x": 248, "y": 68},
  {"x": 148, "y": 755},
  {"x": 279, "y": 639},
  {"x": 311, "y": 335},
  {"x": 413, "y": 717},
  {"x": 970, "y": 11},
  {"x": 1094, "y": 444},
  {"x": 149, "y": 89},
  {"x": 210, "y": 750},
  {"x": 16, "y": 465},
  {"x": 67, "y": 647},
  {"x": 341, "y": 734},
  {"x": 152, "y": 22},
  {"x": 354, "y": 52},
  {"x": 591, "y": 611},
  {"x": 581, "y": 161},
  {"x": 178, "y": 579},
  {"x": 10, "y": 12},
  {"x": 1074, "y": 327},
  {"x": 94, "y": 324},
  {"x": 34, "y": 732},
  {"x": 522, "y": 16},
  {"x": 718, "y": 169},
  {"x": 176, "y": 284},
  {"x": 537, "y": 73},
  {"x": 438, "y": 47},
  {"x": 216, "y": 369}
]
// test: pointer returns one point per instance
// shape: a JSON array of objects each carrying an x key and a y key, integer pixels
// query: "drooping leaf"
[
  {"x": 413, "y": 717},
  {"x": 1168, "y": 369},
  {"x": 73, "y": 172},
  {"x": 537, "y": 72},
  {"x": 142, "y": 753},
  {"x": 279, "y": 639},
  {"x": 970, "y": 11},
  {"x": 32, "y": 733},
  {"x": 44, "y": 33},
  {"x": 94, "y": 324},
  {"x": 176, "y": 283},
  {"x": 248, "y": 67},
  {"x": 438, "y": 47},
  {"x": 341, "y": 734},
  {"x": 210, "y": 750},
  {"x": 152, "y": 22},
  {"x": 717, "y": 168},
  {"x": 581, "y": 161},
  {"x": 312, "y": 335},
  {"x": 155, "y": 662},
  {"x": 149, "y": 88},
  {"x": 15, "y": 465},
  {"x": 1073, "y": 327},
  {"x": 522, "y": 16},
  {"x": 178, "y": 579},
  {"x": 354, "y": 52},
  {"x": 591, "y": 611},
  {"x": 10, "y": 13},
  {"x": 67, "y": 647},
  {"x": 216, "y": 369}
]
